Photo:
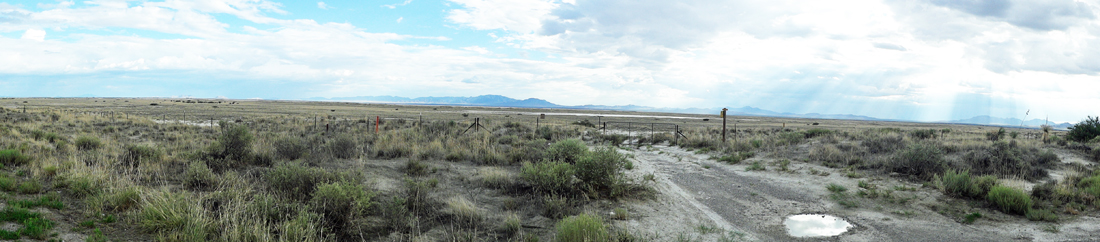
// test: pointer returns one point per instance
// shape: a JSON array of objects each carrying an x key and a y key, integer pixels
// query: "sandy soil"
[{"x": 695, "y": 191}]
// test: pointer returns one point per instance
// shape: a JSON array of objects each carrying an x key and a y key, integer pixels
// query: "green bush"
[
  {"x": 815, "y": 132},
  {"x": 340, "y": 202},
  {"x": 568, "y": 151},
  {"x": 736, "y": 157},
  {"x": 582, "y": 228},
  {"x": 199, "y": 177},
  {"x": 343, "y": 147},
  {"x": 961, "y": 184},
  {"x": 88, "y": 143},
  {"x": 1041, "y": 215},
  {"x": 298, "y": 182},
  {"x": 30, "y": 187},
  {"x": 137, "y": 154},
  {"x": 1008, "y": 159},
  {"x": 995, "y": 135},
  {"x": 1009, "y": 200},
  {"x": 235, "y": 143},
  {"x": 884, "y": 144},
  {"x": 922, "y": 160},
  {"x": 923, "y": 134},
  {"x": 13, "y": 158},
  {"x": 1086, "y": 130},
  {"x": 83, "y": 186},
  {"x": 290, "y": 148},
  {"x": 601, "y": 168},
  {"x": 548, "y": 176}
]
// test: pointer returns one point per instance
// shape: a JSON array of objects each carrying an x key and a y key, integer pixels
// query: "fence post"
[{"x": 377, "y": 119}]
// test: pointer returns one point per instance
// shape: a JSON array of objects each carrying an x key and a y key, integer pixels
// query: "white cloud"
[
  {"x": 322, "y": 5},
  {"x": 34, "y": 34},
  {"x": 520, "y": 16},
  {"x": 399, "y": 19},
  {"x": 61, "y": 4},
  {"x": 393, "y": 6}
]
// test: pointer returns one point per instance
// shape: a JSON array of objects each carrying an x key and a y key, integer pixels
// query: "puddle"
[{"x": 814, "y": 225}]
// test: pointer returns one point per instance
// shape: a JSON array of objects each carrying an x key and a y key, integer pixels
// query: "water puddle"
[{"x": 814, "y": 225}]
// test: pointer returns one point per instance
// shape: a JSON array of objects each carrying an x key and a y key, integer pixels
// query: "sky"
[{"x": 923, "y": 60}]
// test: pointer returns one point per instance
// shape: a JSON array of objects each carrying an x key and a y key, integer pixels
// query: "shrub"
[
  {"x": 833, "y": 187},
  {"x": 923, "y": 134},
  {"x": 961, "y": 184},
  {"x": 1041, "y": 215},
  {"x": 340, "y": 202},
  {"x": 88, "y": 143},
  {"x": 1085, "y": 130},
  {"x": 756, "y": 166},
  {"x": 922, "y": 160},
  {"x": 234, "y": 143},
  {"x": 136, "y": 154},
  {"x": 1009, "y": 200},
  {"x": 736, "y": 157},
  {"x": 995, "y": 135},
  {"x": 601, "y": 168},
  {"x": 290, "y": 147},
  {"x": 83, "y": 186},
  {"x": 199, "y": 177},
  {"x": 815, "y": 132},
  {"x": 831, "y": 156},
  {"x": 13, "y": 157},
  {"x": 1007, "y": 159},
  {"x": 548, "y": 176},
  {"x": 298, "y": 182},
  {"x": 343, "y": 147},
  {"x": 30, "y": 187},
  {"x": 582, "y": 228},
  {"x": 511, "y": 224},
  {"x": 789, "y": 138},
  {"x": 568, "y": 151},
  {"x": 884, "y": 144}
]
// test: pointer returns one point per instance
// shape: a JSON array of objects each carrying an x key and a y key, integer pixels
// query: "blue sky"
[{"x": 924, "y": 60}]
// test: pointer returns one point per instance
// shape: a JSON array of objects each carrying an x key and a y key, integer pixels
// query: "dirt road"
[{"x": 696, "y": 193}]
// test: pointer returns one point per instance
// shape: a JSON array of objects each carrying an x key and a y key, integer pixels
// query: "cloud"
[
  {"x": 34, "y": 34},
  {"x": 61, "y": 4},
  {"x": 322, "y": 5},
  {"x": 399, "y": 19},
  {"x": 393, "y": 6},
  {"x": 1035, "y": 15},
  {"x": 889, "y": 46}
]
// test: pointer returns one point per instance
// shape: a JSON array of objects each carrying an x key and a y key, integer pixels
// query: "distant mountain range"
[{"x": 502, "y": 101}]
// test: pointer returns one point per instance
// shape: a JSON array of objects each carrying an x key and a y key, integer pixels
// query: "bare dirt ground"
[{"x": 696, "y": 194}]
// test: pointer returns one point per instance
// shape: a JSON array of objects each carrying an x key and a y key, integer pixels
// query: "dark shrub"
[
  {"x": 601, "y": 168},
  {"x": 199, "y": 177},
  {"x": 290, "y": 147},
  {"x": 1086, "y": 130},
  {"x": 923, "y": 134},
  {"x": 343, "y": 147},
  {"x": 295, "y": 181},
  {"x": 815, "y": 132},
  {"x": 13, "y": 157},
  {"x": 548, "y": 176},
  {"x": 88, "y": 143},
  {"x": 884, "y": 144},
  {"x": 995, "y": 135},
  {"x": 234, "y": 143},
  {"x": 922, "y": 160},
  {"x": 568, "y": 151},
  {"x": 137, "y": 154},
  {"x": 339, "y": 203},
  {"x": 1008, "y": 159}
]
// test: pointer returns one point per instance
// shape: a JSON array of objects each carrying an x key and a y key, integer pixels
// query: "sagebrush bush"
[
  {"x": 343, "y": 147},
  {"x": 340, "y": 202},
  {"x": 601, "y": 168},
  {"x": 883, "y": 144},
  {"x": 199, "y": 177},
  {"x": 582, "y": 228},
  {"x": 831, "y": 156},
  {"x": 295, "y": 181},
  {"x": 961, "y": 184},
  {"x": 1009, "y": 200},
  {"x": 995, "y": 135},
  {"x": 922, "y": 160},
  {"x": 923, "y": 134},
  {"x": 88, "y": 143},
  {"x": 235, "y": 143},
  {"x": 568, "y": 151},
  {"x": 1008, "y": 159},
  {"x": 1086, "y": 130},
  {"x": 13, "y": 158},
  {"x": 135, "y": 155},
  {"x": 548, "y": 176},
  {"x": 290, "y": 147}
]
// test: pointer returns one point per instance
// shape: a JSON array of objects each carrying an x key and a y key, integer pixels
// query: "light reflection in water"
[{"x": 813, "y": 225}]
